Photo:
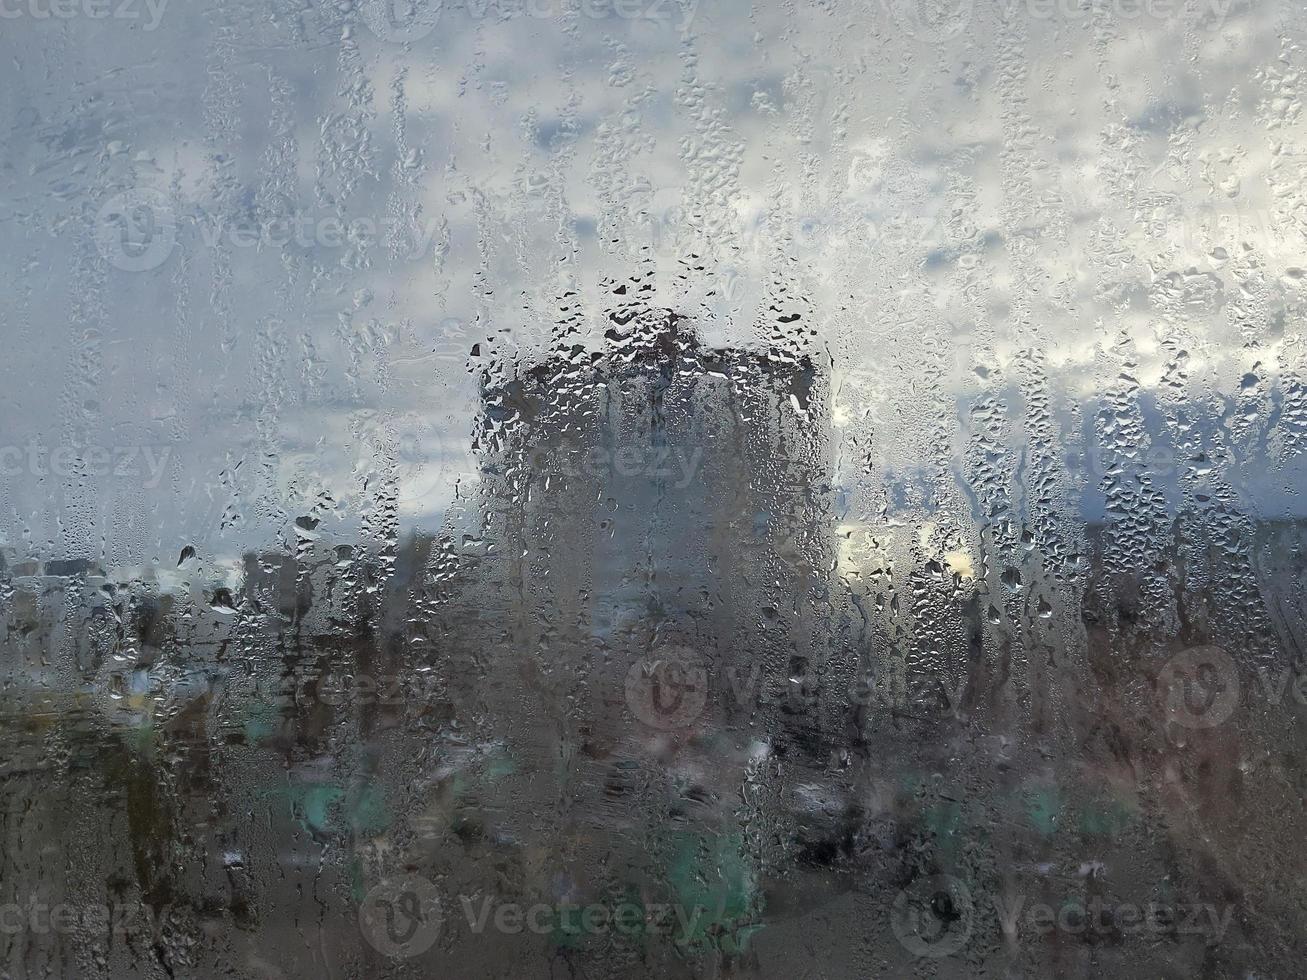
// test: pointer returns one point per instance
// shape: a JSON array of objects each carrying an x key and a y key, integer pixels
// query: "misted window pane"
[{"x": 653, "y": 488}]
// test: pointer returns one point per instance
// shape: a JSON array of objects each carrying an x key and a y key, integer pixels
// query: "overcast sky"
[{"x": 251, "y": 245}]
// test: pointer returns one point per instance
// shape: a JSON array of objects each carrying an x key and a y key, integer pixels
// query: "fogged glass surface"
[{"x": 653, "y": 488}]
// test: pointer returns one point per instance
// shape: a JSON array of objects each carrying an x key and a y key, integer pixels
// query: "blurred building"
[{"x": 635, "y": 591}]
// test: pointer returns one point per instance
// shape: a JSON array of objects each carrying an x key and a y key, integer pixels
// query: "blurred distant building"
[{"x": 658, "y": 501}]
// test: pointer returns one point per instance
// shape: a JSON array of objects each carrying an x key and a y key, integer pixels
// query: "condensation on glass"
[{"x": 669, "y": 488}]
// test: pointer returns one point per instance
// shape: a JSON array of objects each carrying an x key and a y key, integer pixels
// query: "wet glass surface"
[{"x": 653, "y": 488}]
